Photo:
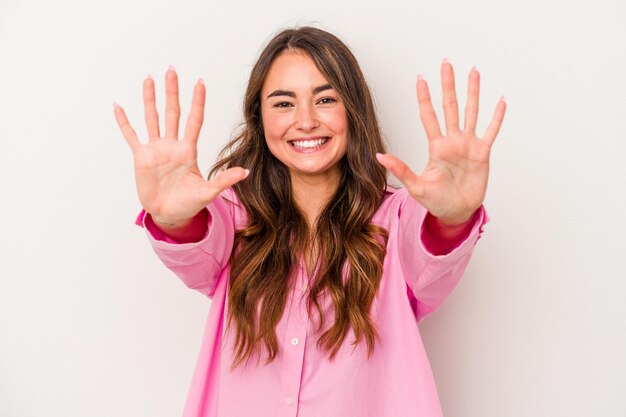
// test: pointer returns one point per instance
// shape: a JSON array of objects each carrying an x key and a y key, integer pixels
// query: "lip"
[{"x": 310, "y": 150}]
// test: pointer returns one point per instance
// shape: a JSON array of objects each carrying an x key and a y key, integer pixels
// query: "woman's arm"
[
  {"x": 433, "y": 256},
  {"x": 199, "y": 253}
]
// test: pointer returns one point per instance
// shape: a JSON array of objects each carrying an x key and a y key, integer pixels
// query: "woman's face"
[{"x": 304, "y": 119}]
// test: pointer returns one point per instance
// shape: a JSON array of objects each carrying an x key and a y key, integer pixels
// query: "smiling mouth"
[{"x": 304, "y": 144}]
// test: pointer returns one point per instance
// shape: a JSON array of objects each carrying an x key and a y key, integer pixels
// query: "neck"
[{"x": 311, "y": 193}]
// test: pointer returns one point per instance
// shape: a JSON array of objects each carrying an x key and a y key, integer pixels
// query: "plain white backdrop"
[{"x": 91, "y": 323}]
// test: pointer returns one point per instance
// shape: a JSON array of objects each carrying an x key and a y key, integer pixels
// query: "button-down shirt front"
[{"x": 396, "y": 381}]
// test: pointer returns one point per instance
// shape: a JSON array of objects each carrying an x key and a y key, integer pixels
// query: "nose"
[{"x": 306, "y": 119}]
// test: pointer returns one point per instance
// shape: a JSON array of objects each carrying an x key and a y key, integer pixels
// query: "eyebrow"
[{"x": 292, "y": 94}]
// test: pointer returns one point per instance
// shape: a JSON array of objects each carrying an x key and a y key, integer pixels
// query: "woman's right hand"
[{"x": 169, "y": 183}]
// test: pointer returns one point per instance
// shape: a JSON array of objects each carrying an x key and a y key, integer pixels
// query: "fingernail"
[
  {"x": 201, "y": 80},
  {"x": 115, "y": 105},
  {"x": 171, "y": 68},
  {"x": 474, "y": 68},
  {"x": 379, "y": 156},
  {"x": 419, "y": 77},
  {"x": 246, "y": 172},
  {"x": 150, "y": 77},
  {"x": 445, "y": 61},
  {"x": 503, "y": 98}
]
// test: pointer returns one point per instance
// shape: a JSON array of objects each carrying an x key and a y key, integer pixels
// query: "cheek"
[
  {"x": 337, "y": 120},
  {"x": 275, "y": 126}
]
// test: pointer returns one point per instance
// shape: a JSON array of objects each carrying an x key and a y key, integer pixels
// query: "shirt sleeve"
[
  {"x": 431, "y": 278},
  {"x": 197, "y": 264}
]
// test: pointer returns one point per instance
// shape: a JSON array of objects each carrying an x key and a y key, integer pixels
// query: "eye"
[
  {"x": 327, "y": 100},
  {"x": 282, "y": 104}
]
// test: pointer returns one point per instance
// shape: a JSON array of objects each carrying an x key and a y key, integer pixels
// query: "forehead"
[{"x": 293, "y": 71}]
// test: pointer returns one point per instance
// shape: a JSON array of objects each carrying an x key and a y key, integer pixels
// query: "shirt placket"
[{"x": 295, "y": 341}]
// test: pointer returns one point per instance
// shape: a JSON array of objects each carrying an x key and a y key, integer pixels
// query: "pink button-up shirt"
[{"x": 396, "y": 381}]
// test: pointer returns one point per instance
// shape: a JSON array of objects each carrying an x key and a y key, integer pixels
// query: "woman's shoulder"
[
  {"x": 230, "y": 196},
  {"x": 231, "y": 199},
  {"x": 394, "y": 194},
  {"x": 393, "y": 204}
]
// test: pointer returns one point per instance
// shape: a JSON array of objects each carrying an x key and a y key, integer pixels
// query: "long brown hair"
[{"x": 267, "y": 250}]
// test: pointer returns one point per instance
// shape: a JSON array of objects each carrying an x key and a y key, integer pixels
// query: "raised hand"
[
  {"x": 454, "y": 182},
  {"x": 169, "y": 183}
]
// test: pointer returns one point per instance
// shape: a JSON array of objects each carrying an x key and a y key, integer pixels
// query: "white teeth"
[{"x": 309, "y": 143}]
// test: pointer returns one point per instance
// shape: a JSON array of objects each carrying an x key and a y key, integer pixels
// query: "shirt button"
[
  {"x": 294, "y": 341},
  {"x": 289, "y": 400}
]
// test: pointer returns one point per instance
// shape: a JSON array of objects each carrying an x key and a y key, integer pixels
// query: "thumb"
[
  {"x": 222, "y": 181},
  {"x": 413, "y": 183}
]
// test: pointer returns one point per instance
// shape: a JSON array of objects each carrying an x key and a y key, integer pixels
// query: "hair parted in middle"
[{"x": 351, "y": 248}]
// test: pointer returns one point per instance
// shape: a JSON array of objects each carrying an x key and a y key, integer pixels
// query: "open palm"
[
  {"x": 454, "y": 182},
  {"x": 169, "y": 183}
]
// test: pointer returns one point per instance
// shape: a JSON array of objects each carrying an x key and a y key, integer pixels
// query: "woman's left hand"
[{"x": 454, "y": 182}]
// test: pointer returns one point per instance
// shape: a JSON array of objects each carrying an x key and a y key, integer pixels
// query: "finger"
[
  {"x": 222, "y": 181},
  {"x": 411, "y": 181},
  {"x": 149, "y": 105},
  {"x": 196, "y": 115},
  {"x": 127, "y": 131},
  {"x": 427, "y": 113},
  {"x": 496, "y": 122},
  {"x": 471, "y": 109},
  {"x": 172, "y": 108},
  {"x": 450, "y": 105}
]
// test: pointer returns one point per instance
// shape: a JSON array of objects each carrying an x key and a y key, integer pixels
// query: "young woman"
[{"x": 317, "y": 270}]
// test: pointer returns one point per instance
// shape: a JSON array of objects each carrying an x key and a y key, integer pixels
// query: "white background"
[{"x": 92, "y": 324}]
